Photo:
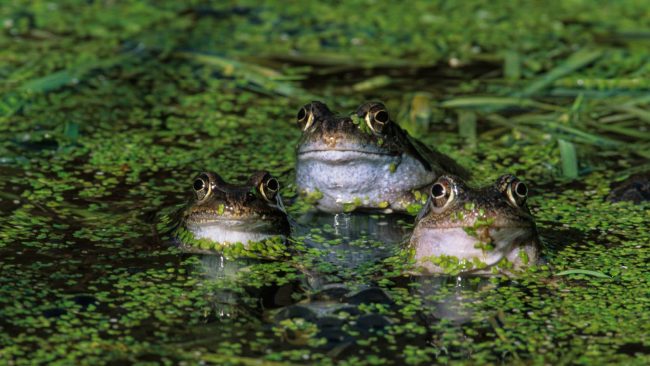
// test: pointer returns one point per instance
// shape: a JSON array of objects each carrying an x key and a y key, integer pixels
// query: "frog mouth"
[
  {"x": 335, "y": 148},
  {"x": 343, "y": 156},
  {"x": 458, "y": 243},
  {"x": 342, "y": 151},
  {"x": 235, "y": 224},
  {"x": 225, "y": 230}
]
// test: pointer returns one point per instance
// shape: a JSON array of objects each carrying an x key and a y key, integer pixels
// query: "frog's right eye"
[
  {"x": 305, "y": 117},
  {"x": 269, "y": 188},
  {"x": 377, "y": 118},
  {"x": 202, "y": 186},
  {"x": 442, "y": 193}
]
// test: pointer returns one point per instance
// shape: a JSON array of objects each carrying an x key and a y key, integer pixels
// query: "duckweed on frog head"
[
  {"x": 475, "y": 230},
  {"x": 226, "y": 213},
  {"x": 364, "y": 161}
]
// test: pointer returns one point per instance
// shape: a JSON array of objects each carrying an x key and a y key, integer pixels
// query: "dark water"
[
  {"x": 109, "y": 108},
  {"x": 82, "y": 273}
]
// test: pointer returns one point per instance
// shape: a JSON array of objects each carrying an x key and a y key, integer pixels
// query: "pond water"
[
  {"x": 106, "y": 119},
  {"x": 84, "y": 277}
]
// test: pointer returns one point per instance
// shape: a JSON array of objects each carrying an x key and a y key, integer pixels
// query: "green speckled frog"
[
  {"x": 225, "y": 213},
  {"x": 479, "y": 231},
  {"x": 364, "y": 161}
]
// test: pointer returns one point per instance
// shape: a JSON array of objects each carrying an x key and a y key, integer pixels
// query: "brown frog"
[
  {"x": 363, "y": 161},
  {"x": 227, "y": 213},
  {"x": 475, "y": 230}
]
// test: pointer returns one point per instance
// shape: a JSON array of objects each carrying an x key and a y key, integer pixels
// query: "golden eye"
[
  {"x": 442, "y": 193},
  {"x": 269, "y": 189},
  {"x": 305, "y": 117},
  {"x": 377, "y": 118},
  {"x": 202, "y": 187},
  {"x": 515, "y": 190}
]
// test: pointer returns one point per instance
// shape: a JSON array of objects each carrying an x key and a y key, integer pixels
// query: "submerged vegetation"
[{"x": 108, "y": 109}]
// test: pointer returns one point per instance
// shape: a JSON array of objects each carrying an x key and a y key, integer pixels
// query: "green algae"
[{"x": 109, "y": 108}]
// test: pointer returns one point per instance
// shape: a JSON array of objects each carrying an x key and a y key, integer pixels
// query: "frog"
[
  {"x": 223, "y": 213},
  {"x": 635, "y": 188},
  {"x": 485, "y": 230},
  {"x": 364, "y": 161}
]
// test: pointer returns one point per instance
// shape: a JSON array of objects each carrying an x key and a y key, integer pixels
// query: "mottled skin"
[
  {"x": 228, "y": 213},
  {"x": 364, "y": 161},
  {"x": 486, "y": 224}
]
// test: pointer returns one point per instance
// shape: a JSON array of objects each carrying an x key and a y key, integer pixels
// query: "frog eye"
[
  {"x": 269, "y": 188},
  {"x": 377, "y": 118},
  {"x": 202, "y": 186},
  {"x": 515, "y": 190},
  {"x": 305, "y": 117},
  {"x": 442, "y": 193}
]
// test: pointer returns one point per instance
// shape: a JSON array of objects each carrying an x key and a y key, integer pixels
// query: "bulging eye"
[
  {"x": 202, "y": 186},
  {"x": 269, "y": 188},
  {"x": 305, "y": 117},
  {"x": 515, "y": 190},
  {"x": 377, "y": 118},
  {"x": 518, "y": 192},
  {"x": 442, "y": 193}
]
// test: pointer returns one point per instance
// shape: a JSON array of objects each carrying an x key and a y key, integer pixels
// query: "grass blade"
[
  {"x": 585, "y": 137},
  {"x": 263, "y": 77},
  {"x": 569, "y": 159},
  {"x": 69, "y": 76},
  {"x": 376, "y": 82},
  {"x": 496, "y": 102},
  {"x": 512, "y": 65},
  {"x": 638, "y": 112},
  {"x": 582, "y": 271},
  {"x": 630, "y": 132},
  {"x": 578, "y": 60},
  {"x": 467, "y": 126}
]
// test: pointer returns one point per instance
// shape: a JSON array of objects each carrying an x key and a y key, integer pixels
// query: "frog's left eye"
[
  {"x": 442, "y": 193},
  {"x": 377, "y": 118},
  {"x": 305, "y": 117},
  {"x": 202, "y": 186},
  {"x": 516, "y": 191},
  {"x": 269, "y": 188}
]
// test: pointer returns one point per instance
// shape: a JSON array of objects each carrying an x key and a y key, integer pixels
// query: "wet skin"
[
  {"x": 227, "y": 213},
  {"x": 481, "y": 226},
  {"x": 364, "y": 161}
]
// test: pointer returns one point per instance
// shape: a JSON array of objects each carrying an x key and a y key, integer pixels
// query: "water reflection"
[
  {"x": 448, "y": 297},
  {"x": 345, "y": 247},
  {"x": 328, "y": 297},
  {"x": 237, "y": 286},
  {"x": 343, "y": 304}
]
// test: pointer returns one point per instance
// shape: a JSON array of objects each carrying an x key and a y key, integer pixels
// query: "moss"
[
  {"x": 108, "y": 110},
  {"x": 313, "y": 197},
  {"x": 351, "y": 206}
]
